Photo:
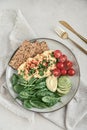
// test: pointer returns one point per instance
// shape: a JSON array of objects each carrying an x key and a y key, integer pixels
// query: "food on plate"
[
  {"x": 26, "y": 50},
  {"x": 51, "y": 83},
  {"x": 64, "y": 85},
  {"x": 39, "y": 66},
  {"x": 42, "y": 79}
]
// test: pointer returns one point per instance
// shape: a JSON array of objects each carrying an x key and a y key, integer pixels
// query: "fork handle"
[
  {"x": 81, "y": 48},
  {"x": 72, "y": 30}
]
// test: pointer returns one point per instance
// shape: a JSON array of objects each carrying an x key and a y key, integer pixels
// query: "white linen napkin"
[{"x": 14, "y": 29}]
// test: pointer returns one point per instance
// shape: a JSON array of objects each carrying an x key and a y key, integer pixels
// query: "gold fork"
[{"x": 64, "y": 35}]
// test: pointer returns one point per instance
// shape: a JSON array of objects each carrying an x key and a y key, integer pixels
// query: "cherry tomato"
[
  {"x": 56, "y": 72},
  {"x": 63, "y": 71},
  {"x": 57, "y": 53},
  {"x": 71, "y": 72},
  {"x": 63, "y": 58},
  {"x": 68, "y": 64},
  {"x": 60, "y": 65}
]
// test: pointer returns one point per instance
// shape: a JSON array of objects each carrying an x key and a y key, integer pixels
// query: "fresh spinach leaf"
[
  {"x": 27, "y": 104},
  {"x": 41, "y": 80},
  {"x": 50, "y": 100},
  {"x": 24, "y": 95},
  {"x": 38, "y": 104},
  {"x": 18, "y": 88},
  {"x": 32, "y": 81},
  {"x": 14, "y": 79}
]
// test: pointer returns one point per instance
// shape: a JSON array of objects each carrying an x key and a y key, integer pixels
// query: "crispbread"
[{"x": 26, "y": 50}]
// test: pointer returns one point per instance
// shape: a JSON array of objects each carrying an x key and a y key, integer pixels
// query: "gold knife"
[{"x": 65, "y": 24}]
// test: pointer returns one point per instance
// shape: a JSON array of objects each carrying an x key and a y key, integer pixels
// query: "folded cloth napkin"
[{"x": 14, "y": 29}]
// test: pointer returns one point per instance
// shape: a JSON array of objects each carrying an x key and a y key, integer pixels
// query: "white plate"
[{"x": 53, "y": 45}]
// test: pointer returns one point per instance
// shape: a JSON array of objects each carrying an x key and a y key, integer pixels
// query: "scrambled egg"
[{"x": 39, "y": 66}]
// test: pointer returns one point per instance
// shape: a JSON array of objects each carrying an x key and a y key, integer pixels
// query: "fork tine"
[{"x": 59, "y": 31}]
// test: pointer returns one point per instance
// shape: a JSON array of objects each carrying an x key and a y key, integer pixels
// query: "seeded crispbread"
[{"x": 26, "y": 50}]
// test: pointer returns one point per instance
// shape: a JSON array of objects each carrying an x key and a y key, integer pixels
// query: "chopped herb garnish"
[
  {"x": 31, "y": 71},
  {"x": 45, "y": 69},
  {"x": 41, "y": 72},
  {"x": 52, "y": 54},
  {"x": 50, "y": 62},
  {"x": 57, "y": 60},
  {"x": 44, "y": 61},
  {"x": 41, "y": 66},
  {"x": 22, "y": 72},
  {"x": 54, "y": 62}
]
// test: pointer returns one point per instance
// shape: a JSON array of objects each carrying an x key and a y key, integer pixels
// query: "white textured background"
[{"x": 43, "y": 16}]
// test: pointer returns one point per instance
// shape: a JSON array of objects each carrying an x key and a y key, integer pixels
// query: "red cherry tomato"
[
  {"x": 56, "y": 72},
  {"x": 63, "y": 58},
  {"x": 68, "y": 64},
  {"x": 71, "y": 72},
  {"x": 57, "y": 53},
  {"x": 63, "y": 72},
  {"x": 60, "y": 65}
]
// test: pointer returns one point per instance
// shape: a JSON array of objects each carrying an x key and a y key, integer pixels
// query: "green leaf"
[
  {"x": 38, "y": 104},
  {"x": 32, "y": 81},
  {"x": 21, "y": 80},
  {"x": 40, "y": 80},
  {"x": 45, "y": 93},
  {"x": 24, "y": 95},
  {"x": 37, "y": 87},
  {"x": 18, "y": 88},
  {"x": 50, "y": 100},
  {"x": 14, "y": 79},
  {"x": 41, "y": 72},
  {"x": 27, "y": 104}
]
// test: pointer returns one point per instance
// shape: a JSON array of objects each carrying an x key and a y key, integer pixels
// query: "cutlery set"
[{"x": 64, "y": 35}]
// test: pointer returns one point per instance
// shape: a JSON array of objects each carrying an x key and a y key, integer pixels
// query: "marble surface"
[{"x": 43, "y": 16}]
